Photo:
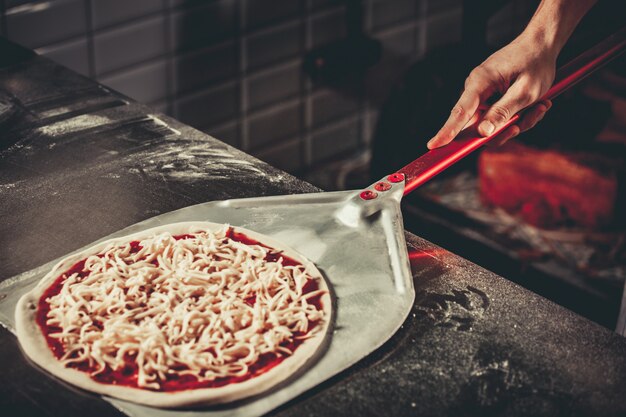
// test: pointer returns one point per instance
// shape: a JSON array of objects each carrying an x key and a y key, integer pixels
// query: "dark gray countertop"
[{"x": 78, "y": 162}]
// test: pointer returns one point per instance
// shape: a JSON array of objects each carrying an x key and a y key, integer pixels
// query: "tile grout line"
[
  {"x": 307, "y": 148},
  {"x": 3, "y": 19},
  {"x": 91, "y": 55},
  {"x": 122, "y": 24},
  {"x": 244, "y": 139},
  {"x": 422, "y": 29},
  {"x": 302, "y": 88},
  {"x": 363, "y": 108},
  {"x": 169, "y": 60}
]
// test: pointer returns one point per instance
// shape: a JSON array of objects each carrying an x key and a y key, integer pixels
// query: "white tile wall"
[{"x": 233, "y": 67}]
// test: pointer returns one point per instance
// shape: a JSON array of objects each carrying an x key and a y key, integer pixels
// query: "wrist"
[{"x": 544, "y": 39}]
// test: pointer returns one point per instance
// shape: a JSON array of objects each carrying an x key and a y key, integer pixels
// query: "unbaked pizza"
[{"x": 178, "y": 315}]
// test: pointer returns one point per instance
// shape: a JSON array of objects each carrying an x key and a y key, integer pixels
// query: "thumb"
[{"x": 515, "y": 99}]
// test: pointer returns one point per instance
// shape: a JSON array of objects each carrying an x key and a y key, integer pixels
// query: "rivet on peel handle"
[
  {"x": 382, "y": 186},
  {"x": 397, "y": 177},
  {"x": 368, "y": 195}
]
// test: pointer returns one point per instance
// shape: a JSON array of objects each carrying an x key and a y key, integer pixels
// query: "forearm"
[{"x": 554, "y": 21}]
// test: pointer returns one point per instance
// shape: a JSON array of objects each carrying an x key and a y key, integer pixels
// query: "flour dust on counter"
[
  {"x": 458, "y": 309},
  {"x": 74, "y": 124},
  {"x": 187, "y": 160}
]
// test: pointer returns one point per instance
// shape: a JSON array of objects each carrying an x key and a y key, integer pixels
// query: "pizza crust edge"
[{"x": 34, "y": 344}]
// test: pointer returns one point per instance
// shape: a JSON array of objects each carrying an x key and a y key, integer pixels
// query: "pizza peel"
[{"x": 356, "y": 238}]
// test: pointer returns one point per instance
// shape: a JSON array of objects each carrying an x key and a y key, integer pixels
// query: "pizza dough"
[{"x": 184, "y": 314}]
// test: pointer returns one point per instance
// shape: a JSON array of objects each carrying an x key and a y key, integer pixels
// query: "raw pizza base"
[{"x": 36, "y": 347}]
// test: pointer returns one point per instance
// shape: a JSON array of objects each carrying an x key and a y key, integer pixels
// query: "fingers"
[
  {"x": 479, "y": 85},
  {"x": 531, "y": 117},
  {"x": 504, "y": 136},
  {"x": 460, "y": 115},
  {"x": 534, "y": 114},
  {"x": 518, "y": 96}
]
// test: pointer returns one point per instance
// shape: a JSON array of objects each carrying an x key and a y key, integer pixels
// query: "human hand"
[{"x": 521, "y": 73}]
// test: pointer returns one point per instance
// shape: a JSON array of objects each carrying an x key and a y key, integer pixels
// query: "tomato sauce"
[
  {"x": 127, "y": 375},
  {"x": 270, "y": 257}
]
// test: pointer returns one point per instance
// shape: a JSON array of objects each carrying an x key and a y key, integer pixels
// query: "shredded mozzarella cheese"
[{"x": 204, "y": 305}]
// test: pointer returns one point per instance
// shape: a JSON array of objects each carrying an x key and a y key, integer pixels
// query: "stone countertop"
[{"x": 78, "y": 162}]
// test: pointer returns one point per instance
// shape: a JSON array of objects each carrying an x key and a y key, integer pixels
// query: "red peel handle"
[{"x": 435, "y": 161}]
